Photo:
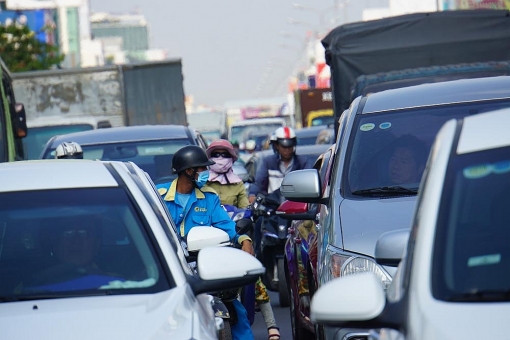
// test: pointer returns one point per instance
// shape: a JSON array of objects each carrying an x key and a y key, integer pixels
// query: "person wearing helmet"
[
  {"x": 191, "y": 203},
  {"x": 273, "y": 168},
  {"x": 231, "y": 190},
  {"x": 69, "y": 150}
]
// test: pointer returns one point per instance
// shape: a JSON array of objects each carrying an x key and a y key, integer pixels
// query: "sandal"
[{"x": 274, "y": 333}]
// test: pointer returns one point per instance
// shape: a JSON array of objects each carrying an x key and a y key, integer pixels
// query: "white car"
[
  {"x": 88, "y": 252},
  {"x": 454, "y": 279}
]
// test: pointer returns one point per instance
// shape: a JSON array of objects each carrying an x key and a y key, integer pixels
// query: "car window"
[
  {"x": 37, "y": 137},
  {"x": 154, "y": 157},
  {"x": 390, "y": 149},
  {"x": 471, "y": 260},
  {"x": 75, "y": 242}
]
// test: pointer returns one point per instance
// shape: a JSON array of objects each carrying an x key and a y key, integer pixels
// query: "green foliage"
[{"x": 22, "y": 51}]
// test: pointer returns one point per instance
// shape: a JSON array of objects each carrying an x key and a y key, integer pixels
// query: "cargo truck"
[
  {"x": 313, "y": 107},
  {"x": 412, "y": 41},
  {"x": 122, "y": 95}
]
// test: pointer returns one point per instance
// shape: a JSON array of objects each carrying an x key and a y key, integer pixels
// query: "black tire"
[
  {"x": 283, "y": 287},
  {"x": 226, "y": 332}
]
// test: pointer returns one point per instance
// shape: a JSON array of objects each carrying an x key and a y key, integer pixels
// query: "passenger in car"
[
  {"x": 75, "y": 245},
  {"x": 407, "y": 160}
]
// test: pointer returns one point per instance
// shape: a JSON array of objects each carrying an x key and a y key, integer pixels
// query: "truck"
[
  {"x": 13, "y": 125},
  {"x": 122, "y": 95},
  {"x": 412, "y": 41},
  {"x": 211, "y": 124},
  {"x": 313, "y": 107}
]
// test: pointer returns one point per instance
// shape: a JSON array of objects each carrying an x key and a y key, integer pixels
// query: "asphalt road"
[{"x": 282, "y": 316}]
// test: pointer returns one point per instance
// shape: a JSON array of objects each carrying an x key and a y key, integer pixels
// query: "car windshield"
[
  {"x": 471, "y": 259},
  {"x": 74, "y": 242},
  {"x": 388, "y": 151},
  {"x": 37, "y": 137},
  {"x": 154, "y": 157},
  {"x": 326, "y": 120},
  {"x": 239, "y": 133}
]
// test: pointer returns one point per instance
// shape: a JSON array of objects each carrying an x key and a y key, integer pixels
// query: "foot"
[{"x": 274, "y": 333}]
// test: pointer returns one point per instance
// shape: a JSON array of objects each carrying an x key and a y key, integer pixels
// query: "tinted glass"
[
  {"x": 323, "y": 121},
  {"x": 154, "y": 157},
  {"x": 471, "y": 252},
  {"x": 79, "y": 242},
  {"x": 240, "y": 133},
  {"x": 390, "y": 149},
  {"x": 37, "y": 137}
]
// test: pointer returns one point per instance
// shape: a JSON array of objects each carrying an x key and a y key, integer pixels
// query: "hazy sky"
[{"x": 226, "y": 46}]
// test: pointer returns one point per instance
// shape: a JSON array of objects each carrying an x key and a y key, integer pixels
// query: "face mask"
[
  {"x": 203, "y": 177},
  {"x": 222, "y": 165}
]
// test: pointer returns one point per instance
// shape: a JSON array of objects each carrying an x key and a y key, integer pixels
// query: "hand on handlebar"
[{"x": 247, "y": 247}]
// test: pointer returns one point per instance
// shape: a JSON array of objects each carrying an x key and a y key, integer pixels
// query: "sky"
[{"x": 233, "y": 49}]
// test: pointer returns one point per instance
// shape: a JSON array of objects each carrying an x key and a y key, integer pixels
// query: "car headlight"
[{"x": 340, "y": 263}]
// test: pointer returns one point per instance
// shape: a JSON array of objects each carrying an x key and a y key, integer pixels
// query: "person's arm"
[{"x": 221, "y": 220}]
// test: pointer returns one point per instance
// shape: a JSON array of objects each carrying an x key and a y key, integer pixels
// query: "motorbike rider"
[
  {"x": 191, "y": 204},
  {"x": 273, "y": 168},
  {"x": 69, "y": 150},
  {"x": 231, "y": 190}
]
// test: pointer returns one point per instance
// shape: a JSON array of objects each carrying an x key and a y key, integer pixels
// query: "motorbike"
[
  {"x": 274, "y": 234},
  {"x": 244, "y": 222},
  {"x": 222, "y": 300}
]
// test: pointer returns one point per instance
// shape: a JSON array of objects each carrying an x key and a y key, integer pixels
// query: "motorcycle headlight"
[{"x": 340, "y": 263}]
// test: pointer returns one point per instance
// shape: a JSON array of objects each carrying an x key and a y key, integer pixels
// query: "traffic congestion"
[{"x": 368, "y": 202}]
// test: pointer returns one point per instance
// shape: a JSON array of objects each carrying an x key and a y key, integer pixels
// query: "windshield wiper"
[
  {"x": 386, "y": 191},
  {"x": 482, "y": 296},
  {"x": 49, "y": 296}
]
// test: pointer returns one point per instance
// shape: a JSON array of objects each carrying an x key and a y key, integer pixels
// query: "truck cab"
[{"x": 13, "y": 125}]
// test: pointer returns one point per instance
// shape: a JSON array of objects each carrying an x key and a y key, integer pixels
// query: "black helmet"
[{"x": 190, "y": 156}]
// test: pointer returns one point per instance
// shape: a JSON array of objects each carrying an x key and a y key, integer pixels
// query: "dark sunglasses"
[{"x": 221, "y": 154}]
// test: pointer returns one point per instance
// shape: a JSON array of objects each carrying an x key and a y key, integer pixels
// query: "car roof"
[
  {"x": 63, "y": 120},
  {"x": 485, "y": 131},
  {"x": 55, "y": 174},
  {"x": 125, "y": 134},
  {"x": 310, "y": 131},
  {"x": 455, "y": 91},
  {"x": 259, "y": 121}
]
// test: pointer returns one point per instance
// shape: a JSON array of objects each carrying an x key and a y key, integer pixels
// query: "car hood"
[
  {"x": 363, "y": 221},
  {"x": 166, "y": 315}
]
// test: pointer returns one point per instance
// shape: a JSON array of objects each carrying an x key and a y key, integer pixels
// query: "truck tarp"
[
  {"x": 130, "y": 94},
  {"x": 413, "y": 40}
]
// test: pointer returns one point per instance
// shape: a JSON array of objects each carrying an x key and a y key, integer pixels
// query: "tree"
[{"x": 22, "y": 51}]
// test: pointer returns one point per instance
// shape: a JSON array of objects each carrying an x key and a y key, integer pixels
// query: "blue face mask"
[{"x": 203, "y": 177}]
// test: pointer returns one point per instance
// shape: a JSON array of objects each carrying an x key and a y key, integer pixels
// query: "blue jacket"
[
  {"x": 203, "y": 209},
  {"x": 269, "y": 176}
]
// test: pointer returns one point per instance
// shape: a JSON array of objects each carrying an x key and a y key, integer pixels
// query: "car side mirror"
[
  {"x": 390, "y": 247},
  {"x": 302, "y": 186},
  {"x": 290, "y": 210},
  {"x": 20, "y": 120}
]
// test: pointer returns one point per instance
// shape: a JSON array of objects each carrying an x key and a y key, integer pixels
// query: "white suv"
[{"x": 87, "y": 251}]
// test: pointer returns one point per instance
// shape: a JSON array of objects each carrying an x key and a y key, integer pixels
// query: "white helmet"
[
  {"x": 285, "y": 136},
  {"x": 69, "y": 150},
  {"x": 251, "y": 145}
]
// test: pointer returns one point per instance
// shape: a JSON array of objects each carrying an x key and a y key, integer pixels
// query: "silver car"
[
  {"x": 383, "y": 143},
  {"x": 87, "y": 251},
  {"x": 454, "y": 278}
]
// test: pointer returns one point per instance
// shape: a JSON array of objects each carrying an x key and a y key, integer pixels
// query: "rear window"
[
  {"x": 76, "y": 242},
  {"x": 37, "y": 137},
  {"x": 154, "y": 157}
]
